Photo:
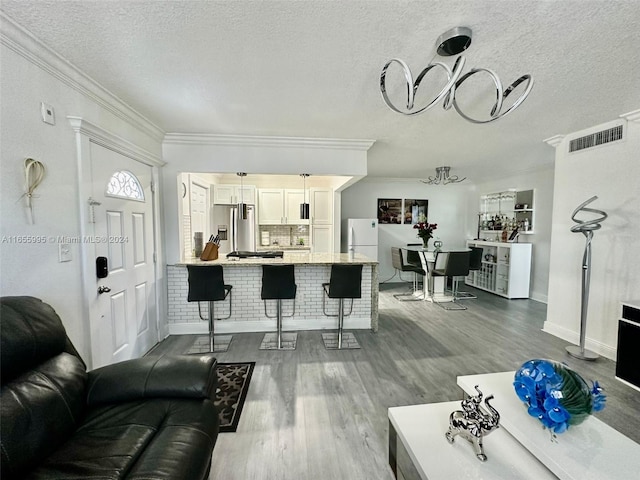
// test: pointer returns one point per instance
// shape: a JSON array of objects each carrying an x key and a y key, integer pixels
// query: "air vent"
[{"x": 599, "y": 138}]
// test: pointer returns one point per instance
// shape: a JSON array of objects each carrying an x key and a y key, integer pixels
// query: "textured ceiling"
[{"x": 311, "y": 69}]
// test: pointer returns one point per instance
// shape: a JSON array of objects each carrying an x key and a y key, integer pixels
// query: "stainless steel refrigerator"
[{"x": 240, "y": 233}]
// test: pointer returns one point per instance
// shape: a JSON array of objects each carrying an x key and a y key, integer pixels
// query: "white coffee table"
[
  {"x": 418, "y": 449},
  {"x": 591, "y": 450}
]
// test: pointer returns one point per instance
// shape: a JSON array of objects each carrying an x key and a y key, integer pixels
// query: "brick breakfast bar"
[{"x": 311, "y": 271}]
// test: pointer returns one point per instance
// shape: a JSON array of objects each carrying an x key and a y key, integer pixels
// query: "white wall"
[
  {"x": 33, "y": 269},
  {"x": 612, "y": 172},
  {"x": 541, "y": 181},
  {"x": 449, "y": 207}
]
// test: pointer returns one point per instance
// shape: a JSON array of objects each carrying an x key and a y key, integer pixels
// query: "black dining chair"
[
  {"x": 457, "y": 265},
  {"x": 475, "y": 262},
  {"x": 397, "y": 260}
]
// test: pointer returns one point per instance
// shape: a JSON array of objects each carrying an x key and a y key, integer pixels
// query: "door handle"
[{"x": 102, "y": 289}]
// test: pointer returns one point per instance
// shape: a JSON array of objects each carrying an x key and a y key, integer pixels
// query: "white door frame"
[
  {"x": 195, "y": 180},
  {"x": 87, "y": 133}
]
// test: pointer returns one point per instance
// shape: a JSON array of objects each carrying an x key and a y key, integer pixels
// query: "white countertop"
[
  {"x": 289, "y": 258},
  {"x": 591, "y": 450}
]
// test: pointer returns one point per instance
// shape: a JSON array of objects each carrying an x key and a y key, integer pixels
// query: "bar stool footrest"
[
  {"x": 288, "y": 341},
  {"x": 221, "y": 343},
  {"x": 348, "y": 341}
]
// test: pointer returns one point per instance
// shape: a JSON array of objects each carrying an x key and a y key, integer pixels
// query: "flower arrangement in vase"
[
  {"x": 425, "y": 231},
  {"x": 556, "y": 395}
]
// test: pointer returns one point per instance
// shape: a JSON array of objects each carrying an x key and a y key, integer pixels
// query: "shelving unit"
[
  {"x": 505, "y": 268},
  {"x": 513, "y": 204}
]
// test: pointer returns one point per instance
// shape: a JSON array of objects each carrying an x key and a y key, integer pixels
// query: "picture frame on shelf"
[
  {"x": 415, "y": 211},
  {"x": 390, "y": 211}
]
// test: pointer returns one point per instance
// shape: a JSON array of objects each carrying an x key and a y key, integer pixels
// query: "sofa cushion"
[
  {"x": 41, "y": 409},
  {"x": 31, "y": 333},
  {"x": 150, "y": 439},
  {"x": 178, "y": 376}
]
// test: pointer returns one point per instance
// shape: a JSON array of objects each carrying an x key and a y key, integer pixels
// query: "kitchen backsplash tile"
[{"x": 286, "y": 235}]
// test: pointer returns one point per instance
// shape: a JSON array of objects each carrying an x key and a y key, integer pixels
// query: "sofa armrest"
[{"x": 177, "y": 376}]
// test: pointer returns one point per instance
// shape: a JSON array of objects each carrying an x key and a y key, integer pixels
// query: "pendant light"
[
  {"x": 242, "y": 207},
  {"x": 304, "y": 206}
]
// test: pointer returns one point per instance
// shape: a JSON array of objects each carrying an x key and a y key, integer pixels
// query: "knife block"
[{"x": 210, "y": 252}]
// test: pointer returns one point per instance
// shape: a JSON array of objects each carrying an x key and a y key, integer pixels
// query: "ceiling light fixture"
[
  {"x": 442, "y": 177},
  {"x": 304, "y": 206},
  {"x": 242, "y": 207},
  {"x": 450, "y": 43}
]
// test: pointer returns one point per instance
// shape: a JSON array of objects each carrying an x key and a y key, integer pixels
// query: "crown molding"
[
  {"x": 22, "y": 42},
  {"x": 114, "y": 142},
  {"x": 258, "y": 141},
  {"x": 633, "y": 116}
]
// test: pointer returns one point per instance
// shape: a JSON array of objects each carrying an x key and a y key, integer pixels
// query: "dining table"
[{"x": 434, "y": 287}]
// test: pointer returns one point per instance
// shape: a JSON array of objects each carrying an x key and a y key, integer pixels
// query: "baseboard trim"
[
  {"x": 540, "y": 298},
  {"x": 249, "y": 326},
  {"x": 574, "y": 337}
]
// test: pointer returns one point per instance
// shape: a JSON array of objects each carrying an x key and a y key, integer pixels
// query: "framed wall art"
[
  {"x": 390, "y": 211},
  {"x": 415, "y": 211}
]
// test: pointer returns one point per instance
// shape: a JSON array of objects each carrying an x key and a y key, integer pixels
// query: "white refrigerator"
[{"x": 362, "y": 237}]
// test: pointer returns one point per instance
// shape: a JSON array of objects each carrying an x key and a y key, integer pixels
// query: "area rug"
[{"x": 233, "y": 385}]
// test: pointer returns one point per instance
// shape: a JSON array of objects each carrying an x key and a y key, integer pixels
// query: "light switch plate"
[
  {"x": 48, "y": 115},
  {"x": 64, "y": 252}
]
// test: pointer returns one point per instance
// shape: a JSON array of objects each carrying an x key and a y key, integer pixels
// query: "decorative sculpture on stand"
[
  {"x": 586, "y": 227},
  {"x": 472, "y": 424}
]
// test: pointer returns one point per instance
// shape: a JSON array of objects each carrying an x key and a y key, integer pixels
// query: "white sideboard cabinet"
[{"x": 505, "y": 269}]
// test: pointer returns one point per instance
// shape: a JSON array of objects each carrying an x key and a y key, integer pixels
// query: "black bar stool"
[
  {"x": 278, "y": 283},
  {"x": 400, "y": 265},
  {"x": 345, "y": 282},
  {"x": 457, "y": 266},
  {"x": 206, "y": 284},
  {"x": 475, "y": 262}
]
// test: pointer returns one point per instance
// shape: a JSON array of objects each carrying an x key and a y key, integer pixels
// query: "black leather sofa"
[{"x": 143, "y": 419}]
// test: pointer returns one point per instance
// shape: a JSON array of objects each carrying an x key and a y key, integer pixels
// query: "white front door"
[{"x": 124, "y": 322}]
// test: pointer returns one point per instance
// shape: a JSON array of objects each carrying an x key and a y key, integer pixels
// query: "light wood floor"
[{"x": 322, "y": 414}]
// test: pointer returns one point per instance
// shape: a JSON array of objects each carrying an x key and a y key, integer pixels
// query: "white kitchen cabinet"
[
  {"x": 225, "y": 194},
  {"x": 321, "y": 208},
  {"x": 280, "y": 206},
  {"x": 321, "y": 238},
  {"x": 505, "y": 268},
  {"x": 270, "y": 206},
  {"x": 292, "y": 201}
]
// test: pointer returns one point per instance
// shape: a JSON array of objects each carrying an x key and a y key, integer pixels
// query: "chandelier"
[
  {"x": 443, "y": 177},
  {"x": 450, "y": 43}
]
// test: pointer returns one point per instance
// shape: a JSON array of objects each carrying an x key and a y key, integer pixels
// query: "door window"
[{"x": 124, "y": 184}]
